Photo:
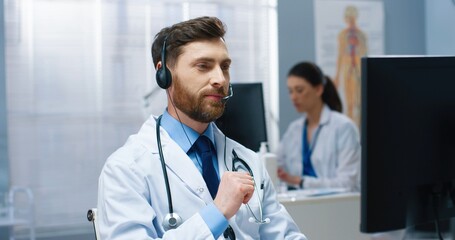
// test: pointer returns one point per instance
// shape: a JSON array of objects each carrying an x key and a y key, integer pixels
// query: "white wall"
[
  {"x": 404, "y": 34},
  {"x": 440, "y": 20}
]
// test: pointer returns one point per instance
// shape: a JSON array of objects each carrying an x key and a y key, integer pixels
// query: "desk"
[{"x": 326, "y": 217}]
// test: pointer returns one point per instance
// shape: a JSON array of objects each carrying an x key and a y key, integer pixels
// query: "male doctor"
[{"x": 180, "y": 177}]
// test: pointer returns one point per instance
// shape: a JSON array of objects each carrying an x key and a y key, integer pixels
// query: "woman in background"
[{"x": 320, "y": 149}]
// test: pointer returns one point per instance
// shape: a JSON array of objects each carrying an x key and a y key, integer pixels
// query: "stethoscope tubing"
[{"x": 163, "y": 166}]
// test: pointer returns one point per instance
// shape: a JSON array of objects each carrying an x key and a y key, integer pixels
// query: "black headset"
[{"x": 163, "y": 75}]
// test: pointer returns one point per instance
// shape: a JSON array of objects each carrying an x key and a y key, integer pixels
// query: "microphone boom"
[{"x": 230, "y": 94}]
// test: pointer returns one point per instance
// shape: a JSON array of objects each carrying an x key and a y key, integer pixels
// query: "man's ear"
[{"x": 158, "y": 65}]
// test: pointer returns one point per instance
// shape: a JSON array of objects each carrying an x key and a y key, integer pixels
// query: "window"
[{"x": 77, "y": 72}]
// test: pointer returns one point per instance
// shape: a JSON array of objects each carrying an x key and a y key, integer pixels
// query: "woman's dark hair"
[{"x": 313, "y": 74}]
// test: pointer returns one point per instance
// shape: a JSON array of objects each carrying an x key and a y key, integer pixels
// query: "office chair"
[{"x": 91, "y": 216}]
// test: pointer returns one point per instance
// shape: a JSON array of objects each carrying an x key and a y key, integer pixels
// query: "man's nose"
[{"x": 219, "y": 76}]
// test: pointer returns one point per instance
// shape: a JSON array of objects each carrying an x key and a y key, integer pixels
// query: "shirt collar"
[
  {"x": 180, "y": 133},
  {"x": 325, "y": 115}
]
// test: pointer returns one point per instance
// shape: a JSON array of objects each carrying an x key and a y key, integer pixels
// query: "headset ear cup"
[{"x": 163, "y": 77}]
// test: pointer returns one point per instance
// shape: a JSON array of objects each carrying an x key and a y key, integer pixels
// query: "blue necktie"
[{"x": 203, "y": 146}]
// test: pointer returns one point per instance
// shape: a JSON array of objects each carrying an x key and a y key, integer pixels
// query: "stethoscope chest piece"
[{"x": 171, "y": 221}]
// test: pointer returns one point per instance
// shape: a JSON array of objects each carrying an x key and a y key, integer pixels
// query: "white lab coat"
[
  {"x": 132, "y": 200},
  {"x": 335, "y": 157}
]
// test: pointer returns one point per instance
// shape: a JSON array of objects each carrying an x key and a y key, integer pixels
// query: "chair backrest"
[
  {"x": 91, "y": 216},
  {"x": 24, "y": 210}
]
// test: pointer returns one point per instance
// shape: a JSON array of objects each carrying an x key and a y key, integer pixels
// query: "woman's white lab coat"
[
  {"x": 336, "y": 153},
  {"x": 132, "y": 200}
]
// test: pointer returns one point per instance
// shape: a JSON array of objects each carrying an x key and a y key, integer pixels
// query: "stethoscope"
[
  {"x": 238, "y": 164},
  {"x": 172, "y": 220}
]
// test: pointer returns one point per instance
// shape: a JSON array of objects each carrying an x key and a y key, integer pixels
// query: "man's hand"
[{"x": 235, "y": 188}]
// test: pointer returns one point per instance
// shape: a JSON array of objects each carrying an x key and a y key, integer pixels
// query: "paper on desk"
[{"x": 313, "y": 192}]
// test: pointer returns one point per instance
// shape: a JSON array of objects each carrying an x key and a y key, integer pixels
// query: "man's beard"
[{"x": 197, "y": 107}]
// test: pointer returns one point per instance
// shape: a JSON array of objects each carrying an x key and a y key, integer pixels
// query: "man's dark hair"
[{"x": 178, "y": 35}]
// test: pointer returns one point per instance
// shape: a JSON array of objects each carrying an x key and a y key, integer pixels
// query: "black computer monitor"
[
  {"x": 244, "y": 117},
  {"x": 408, "y": 141}
]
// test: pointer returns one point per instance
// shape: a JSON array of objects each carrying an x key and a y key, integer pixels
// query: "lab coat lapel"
[
  {"x": 221, "y": 146},
  {"x": 181, "y": 165},
  {"x": 325, "y": 115}
]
